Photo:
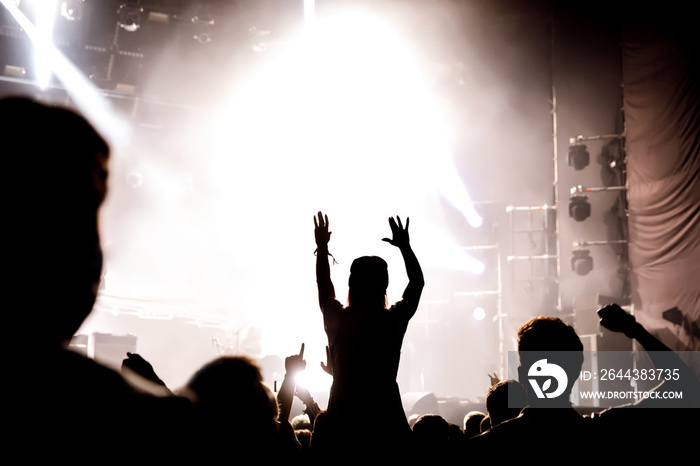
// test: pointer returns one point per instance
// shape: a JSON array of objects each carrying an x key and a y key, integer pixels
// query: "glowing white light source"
[
  {"x": 129, "y": 17},
  {"x": 85, "y": 95},
  {"x": 72, "y": 10},
  {"x": 314, "y": 379},
  {"x": 44, "y": 11},
  {"x": 455, "y": 193},
  {"x": 461, "y": 260},
  {"x": 341, "y": 117},
  {"x": 474, "y": 219},
  {"x": 309, "y": 11},
  {"x": 479, "y": 313}
]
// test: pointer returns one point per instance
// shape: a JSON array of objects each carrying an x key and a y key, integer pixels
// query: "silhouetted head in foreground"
[
  {"x": 369, "y": 279},
  {"x": 431, "y": 436},
  {"x": 55, "y": 166},
  {"x": 505, "y": 400},
  {"x": 472, "y": 423},
  {"x": 551, "y": 356},
  {"x": 233, "y": 402}
]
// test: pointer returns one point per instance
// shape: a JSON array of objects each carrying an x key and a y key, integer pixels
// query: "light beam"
[{"x": 83, "y": 92}]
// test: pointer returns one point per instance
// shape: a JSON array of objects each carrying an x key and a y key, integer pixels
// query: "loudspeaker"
[
  {"x": 587, "y": 322},
  {"x": 598, "y": 363},
  {"x": 419, "y": 403},
  {"x": 110, "y": 350}
]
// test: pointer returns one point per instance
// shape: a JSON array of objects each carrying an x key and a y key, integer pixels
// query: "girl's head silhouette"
[{"x": 369, "y": 278}]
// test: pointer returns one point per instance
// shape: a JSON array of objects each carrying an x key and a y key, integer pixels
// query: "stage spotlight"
[
  {"x": 15, "y": 71},
  {"x": 129, "y": 17},
  {"x": 673, "y": 315},
  {"x": 259, "y": 39},
  {"x": 579, "y": 208},
  {"x": 479, "y": 313},
  {"x": 72, "y": 10},
  {"x": 581, "y": 262},
  {"x": 204, "y": 27},
  {"x": 203, "y": 37},
  {"x": 579, "y": 158}
]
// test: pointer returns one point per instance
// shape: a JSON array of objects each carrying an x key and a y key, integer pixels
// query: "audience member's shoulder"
[
  {"x": 663, "y": 419},
  {"x": 332, "y": 305},
  {"x": 650, "y": 430},
  {"x": 80, "y": 371},
  {"x": 502, "y": 441},
  {"x": 496, "y": 434}
]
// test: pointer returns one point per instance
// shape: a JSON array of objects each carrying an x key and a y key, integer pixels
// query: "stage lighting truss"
[
  {"x": 489, "y": 296},
  {"x": 534, "y": 249},
  {"x": 130, "y": 16},
  {"x": 579, "y": 157},
  {"x": 581, "y": 260},
  {"x": 579, "y": 207}
]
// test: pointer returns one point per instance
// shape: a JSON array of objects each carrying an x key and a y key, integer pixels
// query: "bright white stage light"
[
  {"x": 72, "y": 10},
  {"x": 314, "y": 379},
  {"x": 85, "y": 95},
  {"x": 347, "y": 99},
  {"x": 309, "y": 12},
  {"x": 45, "y": 12},
  {"x": 479, "y": 313},
  {"x": 129, "y": 17},
  {"x": 456, "y": 194},
  {"x": 342, "y": 119},
  {"x": 461, "y": 260}
]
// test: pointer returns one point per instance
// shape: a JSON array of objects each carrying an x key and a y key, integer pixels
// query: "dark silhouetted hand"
[
  {"x": 295, "y": 363},
  {"x": 321, "y": 233},
  {"x": 615, "y": 319},
  {"x": 327, "y": 366},
  {"x": 142, "y": 367},
  {"x": 399, "y": 233}
]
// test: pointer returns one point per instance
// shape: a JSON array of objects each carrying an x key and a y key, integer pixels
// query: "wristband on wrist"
[{"x": 324, "y": 250}]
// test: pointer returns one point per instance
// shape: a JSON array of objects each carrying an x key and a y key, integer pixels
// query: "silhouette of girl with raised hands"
[{"x": 364, "y": 340}]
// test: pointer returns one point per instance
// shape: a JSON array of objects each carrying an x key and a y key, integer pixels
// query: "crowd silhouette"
[{"x": 65, "y": 406}]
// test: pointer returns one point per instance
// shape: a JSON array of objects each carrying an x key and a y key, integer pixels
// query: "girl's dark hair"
[{"x": 369, "y": 278}]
